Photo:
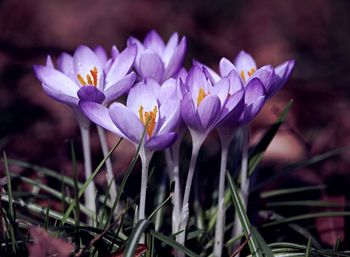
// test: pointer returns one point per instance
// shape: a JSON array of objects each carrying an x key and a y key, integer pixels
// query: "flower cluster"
[{"x": 163, "y": 99}]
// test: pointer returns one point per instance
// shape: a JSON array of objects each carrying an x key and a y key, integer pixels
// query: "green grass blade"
[
  {"x": 76, "y": 199},
  {"x": 308, "y": 249},
  {"x": 261, "y": 147},
  {"x": 87, "y": 182},
  {"x": 135, "y": 236},
  {"x": 252, "y": 242},
  {"x": 11, "y": 211},
  {"x": 307, "y": 216},
  {"x": 306, "y": 203},
  {"x": 159, "y": 207},
  {"x": 286, "y": 191},
  {"x": 171, "y": 242},
  {"x": 266, "y": 250}
]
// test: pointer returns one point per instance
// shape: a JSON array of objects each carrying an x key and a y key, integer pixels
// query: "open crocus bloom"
[
  {"x": 206, "y": 104},
  {"x": 147, "y": 103},
  {"x": 83, "y": 76},
  {"x": 244, "y": 65},
  {"x": 158, "y": 60}
]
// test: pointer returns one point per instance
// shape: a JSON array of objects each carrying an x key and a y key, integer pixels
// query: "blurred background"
[{"x": 316, "y": 33}]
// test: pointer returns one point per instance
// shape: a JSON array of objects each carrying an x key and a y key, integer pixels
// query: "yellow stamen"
[
  {"x": 90, "y": 78},
  {"x": 251, "y": 72},
  {"x": 81, "y": 80},
  {"x": 149, "y": 117},
  {"x": 201, "y": 96},
  {"x": 243, "y": 75}
]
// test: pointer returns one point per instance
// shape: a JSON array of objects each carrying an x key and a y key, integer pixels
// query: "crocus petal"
[
  {"x": 281, "y": 75},
  {"x": 127, "y": 122},
  {"x": 221, "y": 90},
  {"x": 121, "y": 66},
  {"x": 101, "y": 54},
  {"x": 154, "y": 42},
  {"x": 49, "y": 62},
  {"x": 170, "y": 48},
  {"x": 91, "y": 93},
  {"x": 120, "y": 87},
  {"x": 236, "y": 83},
  {"x": 85, "y": 60},
  {"x": 99, "y": 114},
  {"x": 140, "y": 50},
  {"x": 244, "y": 62},
  {"x": 225, "y": 67},
  {"x": 254, "y": 100},
  {"x": 265, "y": 75},
  {"x": 141, "y": 95},
  {"x": 114, "y": 52},
  {"x": 57, "y": 85},
  {"x": 208, "y": 111},
  {"x": 189, "y": 114},
  {"x": 151, "y": 66},
  {"x": 195, "y": 81},
  {"x": 212, "y": 75},
  {"x": 232, "y": 111},
  {"x": 65, "y": 64},
  {"x": 176, "y": 60},
  {"x": 160, "y": 142}
]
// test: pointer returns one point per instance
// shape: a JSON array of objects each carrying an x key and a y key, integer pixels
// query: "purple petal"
[
  {"x": 154, "y": 42},
  {"x": 233, "y": 110},
  {"x": 176, "y": 61},
  {"x": 49, "y": 62},
  {"x": 57, "y": 85},
  {"x": 151, "y": 66},
  {"x": 170, "y": 48},
  {"x": 265, "y": 75},
  {"x": 99, "y": 114},
  {"x": 121, "y": 65},
  {"x": 209, "y": 73},
  {"x": 65, "y": 64},
  {"x": 281, "y": 75},
  {"x": 120, "y": 87},
  {"x": 114, "y": 52},
  {"x": 225, "y": 67},
  {"x": 85, "y": 60},
  {"x": 141, "y": 95},
  {"x": 236, "y": 83},
  {"x": 91, "y": 93},
  {"x": 244, "y": 63},
  {"x": 101, "y": 54},
  {"x": 209, "y": 110},
  {"x": 160, "y": 142},
  {"x": 140, "y": 50},
  {"x": 196, "y": 80},
  {"x": 189, "y": 114},
  {"x": 221, "y": 90},
  {"x": 127, "y": 122}
]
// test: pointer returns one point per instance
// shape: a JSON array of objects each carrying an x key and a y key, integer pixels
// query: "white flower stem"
[
  {"x": 145, "y": 156},
  {"x": 197, "y": 140},
  {"x": 244, "y": 189},
  {"x": 90, "y": 192},
  {"x": 220, "y": 222},
  {"x": 109, "y": 174}
]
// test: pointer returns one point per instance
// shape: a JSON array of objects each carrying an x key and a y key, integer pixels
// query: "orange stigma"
[
  {"x": 201, "y": 96},
  {"x": 151, "y": 116},
  {"x": 91, "y": 79},
  {"x": 250, "y": 73}
]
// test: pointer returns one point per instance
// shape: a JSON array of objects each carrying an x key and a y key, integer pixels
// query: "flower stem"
[
  {"x": 109, "y": 174},
  {"x": 220, "y": 222},
  {"x": 90, "y": 192},
  {"x": 244, "y": 179},
  {"x": 145, "y": 160},
  {"x": 197, "y": 140}
]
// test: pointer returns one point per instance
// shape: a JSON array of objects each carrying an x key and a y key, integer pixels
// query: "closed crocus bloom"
[{"x": 158, "y": 60}]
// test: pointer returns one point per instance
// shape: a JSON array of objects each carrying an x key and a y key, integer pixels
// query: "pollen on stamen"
[
  {"x": 89, "y": 80},
  {"x": 141, "y": 114},
  {"x": 242, "y": 75},
  {"x": 81, "y": 80},
  {"x": 201, "y": 96},
  {"x": 251, "y": 72},
  {"x": 94, "y": 76}
]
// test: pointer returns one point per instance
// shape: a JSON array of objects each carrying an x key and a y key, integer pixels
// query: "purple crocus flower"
[
  {"x": 158, "y": 60},
  {"x": 83, "y": 76}
]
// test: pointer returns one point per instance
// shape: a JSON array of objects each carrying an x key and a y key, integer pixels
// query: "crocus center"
[
  {"x": 91, "y": 79},
  {"x": 250, "y": 73},
  {"x": 149, "y": 117},
  {"x": 201, "y": 96}
]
